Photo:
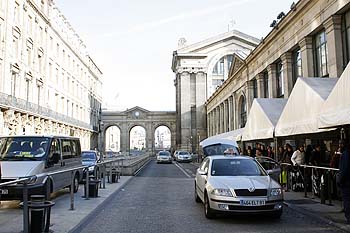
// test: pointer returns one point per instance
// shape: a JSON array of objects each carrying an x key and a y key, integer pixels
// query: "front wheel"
[
  {"x": 207, "y": 210},
  {"x": 196, "y": 197},
  {"x": 76, "y": 183}
]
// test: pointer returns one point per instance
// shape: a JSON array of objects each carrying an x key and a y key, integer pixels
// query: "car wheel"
[
  {"x": 75, "y": 183},
  {"x": 196, "y": 197},
  {"x": 207, "y": 210}
]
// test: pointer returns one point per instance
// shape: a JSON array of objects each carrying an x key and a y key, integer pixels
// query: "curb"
[
  {"x": 316, "y": 216},
  {"x": 138, "y": 170},
  {"x": 97, "y": 210}
]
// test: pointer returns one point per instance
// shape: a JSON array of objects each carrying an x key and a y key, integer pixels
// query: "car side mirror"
[
  {"x": 269, "y": 172},
  {"x": 202, "y": 173}
]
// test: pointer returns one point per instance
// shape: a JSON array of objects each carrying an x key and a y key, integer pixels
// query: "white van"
[{"x": 36, "y": 156}]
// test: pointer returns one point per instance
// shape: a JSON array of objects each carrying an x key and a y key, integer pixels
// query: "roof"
[
  {"x": 213, "y": 140},
  {"x": 262, "y": 119},
  {"x": 299, "y": 116},
  {"x": 335, "y": 110}
]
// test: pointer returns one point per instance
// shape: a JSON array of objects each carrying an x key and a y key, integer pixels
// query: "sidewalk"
[
  {"x": 62, "y": 219},
  {"x": 330, "y": 214}
]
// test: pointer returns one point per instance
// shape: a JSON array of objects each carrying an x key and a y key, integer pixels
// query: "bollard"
[
  {"x": 104, "y": 176},
  {"x": 87, "y": 186},
  {"x": 323, "y": 198},
  {"x": 72, "y": 191},
  {"x": 25, "y": 208},
  {"x": 329, "y": 185},
  {"x": 305, "y": 183},
  {"x": 39, "y": 211}
]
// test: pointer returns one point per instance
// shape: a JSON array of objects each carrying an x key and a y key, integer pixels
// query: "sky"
[{"x": 132, "y": 41}]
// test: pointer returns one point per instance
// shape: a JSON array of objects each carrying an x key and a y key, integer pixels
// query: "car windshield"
[
  {"x": 23, "y": 148},
  {"x": 218, "y": 149},
  {"x": 184, "y": 153},
  {"x": 164, "y": 153},
  {"x": 236, "y": 167},
  {"x": 88, "y": 156}
]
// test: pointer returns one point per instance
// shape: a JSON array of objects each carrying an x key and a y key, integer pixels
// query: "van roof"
[
  {"x": 213, "y": 141},
  {"x": 39, "y": 136}
]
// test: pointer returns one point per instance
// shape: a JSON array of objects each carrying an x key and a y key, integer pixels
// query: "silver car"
[
  {"x": 164, "y": 157},
  {"x": 236, "y": 184}
]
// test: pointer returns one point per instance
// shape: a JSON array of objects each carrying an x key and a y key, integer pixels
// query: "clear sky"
[{"x": 132, "y": 41}]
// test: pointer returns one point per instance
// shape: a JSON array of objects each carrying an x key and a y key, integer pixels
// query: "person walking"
[
  {"x": 343, "y": 178},
  {"x": 298, "y": 157}
]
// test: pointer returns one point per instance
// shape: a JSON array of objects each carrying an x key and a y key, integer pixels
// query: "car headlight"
[
  {"x": 31, "y": 179},
  {"x": 222, "y": 192},
  {"x": 276, "y": 192},
  {"x": 91, "y": 168}
]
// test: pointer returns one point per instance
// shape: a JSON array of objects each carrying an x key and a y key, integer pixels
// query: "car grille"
[
  {"x": 238, "y": 207},
  {"x": 247, "y": 193}
]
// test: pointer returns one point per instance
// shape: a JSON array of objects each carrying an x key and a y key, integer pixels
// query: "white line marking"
[{"x": 181, "y": 169}]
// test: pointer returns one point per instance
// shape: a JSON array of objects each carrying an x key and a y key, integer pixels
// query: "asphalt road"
[{"x": 160, "y": 199}]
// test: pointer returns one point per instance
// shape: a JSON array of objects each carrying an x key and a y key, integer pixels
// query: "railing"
[{"x": 319, "y": 178}]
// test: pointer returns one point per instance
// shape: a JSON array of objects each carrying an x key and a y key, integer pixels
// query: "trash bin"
[
  {"x": 39, "y": 213},
  {"x": 115, "y": 176},
  {"x": 93, "y": 188}
]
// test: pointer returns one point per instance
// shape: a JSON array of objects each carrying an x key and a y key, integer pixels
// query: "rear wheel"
[
  {"x": 209, "y": 213},
  {"x": 75, "y": 183}
]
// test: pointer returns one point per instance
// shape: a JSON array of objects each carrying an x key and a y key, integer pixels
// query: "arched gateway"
[{"x": 126, "y": 120}]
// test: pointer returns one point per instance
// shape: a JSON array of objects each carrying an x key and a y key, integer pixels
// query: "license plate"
[
  {"x": 252, "y": 202},
  {"x": 4, "y": 191}
]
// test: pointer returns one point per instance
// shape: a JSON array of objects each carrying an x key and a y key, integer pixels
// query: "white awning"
[
  {"x": 262, "y": 119},
  {"x": 336, "y": 109},
  {"x": 232, "y": 136},
  {"x": 304, "y": 104}
]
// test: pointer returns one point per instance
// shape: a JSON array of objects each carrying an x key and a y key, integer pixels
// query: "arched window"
[{"x": 243, "y": 108}]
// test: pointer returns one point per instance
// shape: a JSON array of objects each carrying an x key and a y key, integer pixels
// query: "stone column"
[
  {"x": 307, "y": 61},
  {"x": 224, "y": 116},
  {"x": 272, "y": 80},
  {"x": 249, "y": 93},
  {"x": 233, "y": 118},
  {"x": 260, "y": 84},
  {"x": 335, "y": 50},
  {"x": 229, "y": 113},
  {"x": 287, "y": 73}
]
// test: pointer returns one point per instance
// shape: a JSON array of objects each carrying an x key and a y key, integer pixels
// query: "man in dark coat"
[{"x": 344, "y": 177}]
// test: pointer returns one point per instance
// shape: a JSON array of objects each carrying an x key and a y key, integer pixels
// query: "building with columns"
[
  {"x": 48, "y": 82},
  {"x": 199, "y": 70},
  {"x": 311, "y": 40}
]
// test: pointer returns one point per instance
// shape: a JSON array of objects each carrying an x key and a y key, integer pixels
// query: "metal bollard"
[
  {"x": 87, "y": 178},
  {"x": 104, "y": 176},
  {"x": 25, "y": 208},
  {"x": 72, "y": 191},
  {"x": 305, "y": 183},
  {"x": 329, "y": 185}
]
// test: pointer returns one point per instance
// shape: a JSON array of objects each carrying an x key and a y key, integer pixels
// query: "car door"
[{"x": 201, "y": 179}]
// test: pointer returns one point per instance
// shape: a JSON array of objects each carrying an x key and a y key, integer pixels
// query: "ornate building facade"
[
  {"x": 48, "y": 82},
  {"x": 311, "y": 40},
  {"x": 199, "y": 70}
]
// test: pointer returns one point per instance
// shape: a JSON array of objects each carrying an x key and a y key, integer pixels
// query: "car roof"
[{"x": 213, "y": 157}]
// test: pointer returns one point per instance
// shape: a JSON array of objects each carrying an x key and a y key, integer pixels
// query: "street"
[{"x": 160, "y": 199}]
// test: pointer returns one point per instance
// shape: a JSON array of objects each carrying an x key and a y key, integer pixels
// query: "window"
[
  {"x": 219, "y": 67},
  {"x": 345, "y": 29},
  {"x": 266, "y": 85},
  {"x": 279, "y": 77},
  {"x": 297, "y": 67},
  {"x": 321, "y": 54},
  {"x": 243, "y": 112},
  {"x": 255, "y": 88},
  {"x": 13, "y": 83}
]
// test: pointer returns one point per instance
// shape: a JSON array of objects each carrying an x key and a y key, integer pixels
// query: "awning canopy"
[
  {"x": 225, "y": 137},
  {"x": 299, "y": 116},
  {"x": 262, "y": 119},
  {"x": 336, "y": 109}
]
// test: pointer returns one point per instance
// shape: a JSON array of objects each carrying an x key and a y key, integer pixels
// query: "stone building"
[
  {"x": 48, "y": 82},
  {"x": 311, "y": 40},
  {"x": 199, "y": 70}
]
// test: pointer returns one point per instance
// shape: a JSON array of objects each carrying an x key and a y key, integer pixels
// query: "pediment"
[
  {"x": 136, "y": 112},
  {"x": 237, "y": 62}
]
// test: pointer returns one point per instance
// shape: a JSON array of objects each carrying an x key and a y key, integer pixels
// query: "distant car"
[
  {"x": 90, "y": 158},
  {"x": 164, "y": 157},
  {"x": 175, "y": 154},
  {"x": 272, "y": 167},
  {"x": 183, "y": 156},
  {"x": 236, "y": 184},
  {"x": 110, "y": 154}
]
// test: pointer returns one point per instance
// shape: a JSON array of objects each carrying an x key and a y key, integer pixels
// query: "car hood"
[
  {"x": 243, "y": 182},
  {"x": 88, "y": 162},
  {"x": 15, "y": 169}
]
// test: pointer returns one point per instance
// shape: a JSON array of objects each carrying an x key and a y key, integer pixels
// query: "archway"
[
  {"x": 137, "y": 140},
  {"x": 242, "y": 111},
  {"x": 112, "y": 139},
  {"x": 162, "y": 138}
]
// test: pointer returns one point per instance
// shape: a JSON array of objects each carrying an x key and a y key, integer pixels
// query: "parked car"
[
  {"x": 164, "y": 157},
  {"x": 236, "y": 184},
  {"x": 35, "y": 157},
  {"x": 272, "y": 167},
  {"x": 90, "y": 158},
  {"x": 175, "y": 154},
  {"x": 183, "y": 156}
]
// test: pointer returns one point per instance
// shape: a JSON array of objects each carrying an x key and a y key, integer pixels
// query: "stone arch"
[
  {"x": 166, "y": 146},
  {"x": 144, "y": 146},
  {"x": 110, "y": 141}
]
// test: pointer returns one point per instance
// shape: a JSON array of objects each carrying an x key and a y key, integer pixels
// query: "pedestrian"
[
  {"x": 263, "y": 150},
  {"x": 308, "y": 153},
  {"x": 343, "y": 177},
  {"x": 286, "y": 158},
  {"x": 270, "y": 152},
  {"x": 280, "y": 153},
  {"x": 258, "y": 153},
  {"x": 298, "y": 157},
  {"x": 315, "y": 158}
]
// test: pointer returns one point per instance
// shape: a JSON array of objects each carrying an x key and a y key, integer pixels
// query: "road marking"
[{"x": 181, "y": 169}]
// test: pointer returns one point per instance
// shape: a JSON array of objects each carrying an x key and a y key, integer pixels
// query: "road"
[{"x": 160, "y": 199}]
